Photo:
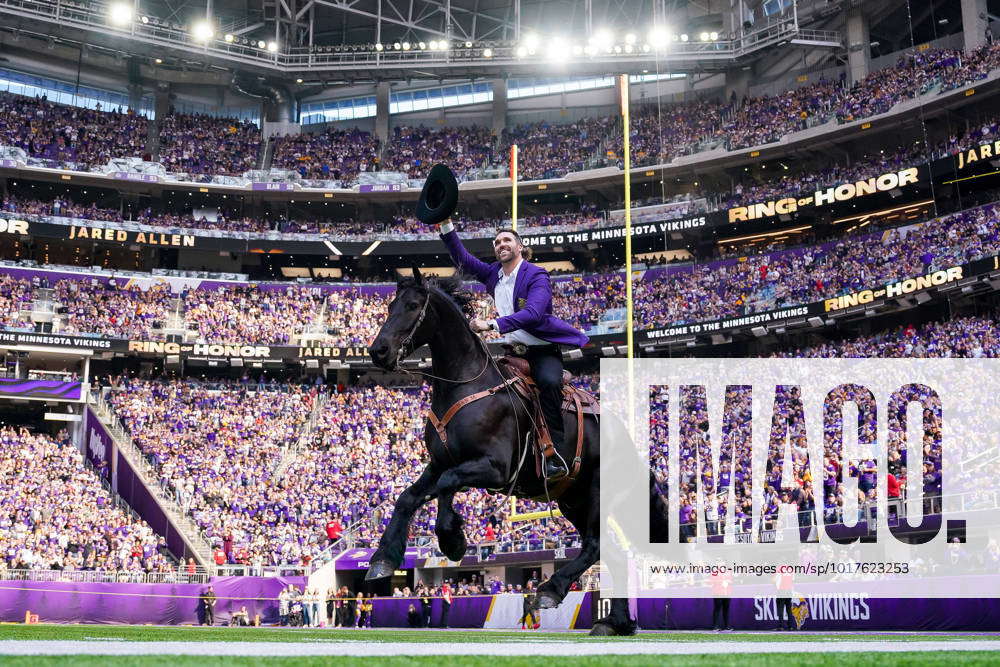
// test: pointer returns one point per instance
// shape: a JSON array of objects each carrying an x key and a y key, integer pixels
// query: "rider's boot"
[{"x": 553, "y": 467}]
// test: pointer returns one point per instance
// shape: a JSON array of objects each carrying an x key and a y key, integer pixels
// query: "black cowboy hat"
[{"x": 439, "y": 197}]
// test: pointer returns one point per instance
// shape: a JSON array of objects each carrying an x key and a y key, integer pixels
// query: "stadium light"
[
  {"x": 120, "y": 13},
  {"x": 684, "y": 37},
  {"x": 229, "y": 38},
  {"x": 397, "y": 46},
  {"x": 272, "y": 47},
  {"x": 262, "y": 44},
  {"x": 704, "y": 36},
  {"x": 487, "y": 53},
  {"x": 406, "y": 46},
  {"x": 379, "y": 47},
  {"x": 630, "y": 38},
  {"x": 433, "y": 44},
  {"x": 714, "y": 36},
  {"x": 530, "y": 41},
  {"x": 557, "y": 50},
  {"x": 422, "y": 45},
  {"x": 522, "y": 51},
  {"x": 203, "y": 31},
  {"x": 658, "y": 38},
  {"x": 603, "y": 39}
]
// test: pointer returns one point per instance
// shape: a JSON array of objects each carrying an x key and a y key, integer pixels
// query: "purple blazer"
[{"x": 532, "y": 296}]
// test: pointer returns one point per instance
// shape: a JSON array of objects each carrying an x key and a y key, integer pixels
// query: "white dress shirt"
[{"x": 503, "y": 297}]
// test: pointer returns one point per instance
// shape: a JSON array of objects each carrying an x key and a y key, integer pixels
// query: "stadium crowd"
[
  {"x": 252, "y": 314},
  {"x": 55, "y": 514},
  {"x": 664, "y": 296},
  {"x": 968, "y": 337},
  {"x": 328, "y": 155},
  {"x": 660, "y": 133},
  {"x": 200, "y": 144},
  {"x": 217, "y": 453},
  {"x": 231, "y": 456},
  {"x": 67, "y": 134}
]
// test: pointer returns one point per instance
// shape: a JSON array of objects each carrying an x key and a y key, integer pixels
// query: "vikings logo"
[
  {"x": 521, "y": 303},
  {"x": 800, "y": 612}
]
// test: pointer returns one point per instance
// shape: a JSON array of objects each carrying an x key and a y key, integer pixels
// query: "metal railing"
[
  {"x": 164, "y": 34},
  {"x": 176, "y": 576},
  {"x": 190, "y": 531},
  {"x": 239, "y": 570}
]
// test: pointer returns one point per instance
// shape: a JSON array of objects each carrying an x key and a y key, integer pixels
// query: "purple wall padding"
[
  {"x": 127, "y": 483},
  {"x": 158, "y": 604},
  {"x": 175, "y": 604}
]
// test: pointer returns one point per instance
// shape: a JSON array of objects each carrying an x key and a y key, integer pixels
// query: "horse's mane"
[{"x": 451, "y": 288}]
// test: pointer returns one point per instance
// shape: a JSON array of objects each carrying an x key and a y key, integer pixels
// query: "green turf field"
[
  {"x": 268, "y": 634},
  {"x": 942, "y": 659},
  {"x": 97, "y": 639}
]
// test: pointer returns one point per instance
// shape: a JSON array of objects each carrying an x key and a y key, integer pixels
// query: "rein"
[{"x": 407, "y": 342}]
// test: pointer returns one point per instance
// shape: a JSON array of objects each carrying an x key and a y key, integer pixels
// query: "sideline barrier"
[
  {"x": 137, "y": 604},
  {"x": 178, "y": 604}
]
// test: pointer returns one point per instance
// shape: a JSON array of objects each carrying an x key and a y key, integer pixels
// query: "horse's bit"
[{"x": 404, "y": 346}]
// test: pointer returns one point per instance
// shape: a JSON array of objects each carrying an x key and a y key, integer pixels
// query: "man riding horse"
[
  {"x": 483, "y": 415},
  {"x": 522, "y": 293}
]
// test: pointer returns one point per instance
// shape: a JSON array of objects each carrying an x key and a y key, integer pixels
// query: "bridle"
[
  {"x": 405, "y": 347},
  {"x": 407, "y": 343}
]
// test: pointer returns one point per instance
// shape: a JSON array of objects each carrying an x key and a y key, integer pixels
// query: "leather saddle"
[
  {"x": 518, "y": 378},
  {"x": 519, "y": 367},
  {"x": 574, "y": 401}
]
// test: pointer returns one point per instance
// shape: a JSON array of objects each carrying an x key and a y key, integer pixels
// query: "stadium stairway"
[
  {"x": 175, "y": 324},
  {"x": 266, "y": 154},
  {"x": 290, "y": 453},
  {"x": 43, "y": 309},
  {"x": 198, "y": 546}
]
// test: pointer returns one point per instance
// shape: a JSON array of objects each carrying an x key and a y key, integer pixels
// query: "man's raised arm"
[{"x": 463, "y": 259}]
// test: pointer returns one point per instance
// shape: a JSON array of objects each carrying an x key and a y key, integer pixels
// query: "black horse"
[{"x": 486, "y": 439}]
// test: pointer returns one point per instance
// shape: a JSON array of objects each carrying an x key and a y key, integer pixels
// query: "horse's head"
[
  {"x": 405, "y": 329},
  {"x": 420, "y": 309}
]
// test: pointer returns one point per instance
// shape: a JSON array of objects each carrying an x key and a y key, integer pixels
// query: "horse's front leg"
[
  {"x": 586, "y": 520},
  {"x": 451, "y": 536},
  {"x": 480, "y": 473},
  {"x": 392, "y": 545}
]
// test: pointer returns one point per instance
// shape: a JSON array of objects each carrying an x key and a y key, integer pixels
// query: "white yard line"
[{"x": 377, "y": 649}]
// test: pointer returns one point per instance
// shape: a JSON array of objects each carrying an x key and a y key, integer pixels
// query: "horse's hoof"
[
  {"x": 453, "y": 548},
  {"x": 605, "y": 627},
  {"x": 547, "y": 601},
  {"x": 602, "y": 629},
  {"x": 379, "y": 569}
]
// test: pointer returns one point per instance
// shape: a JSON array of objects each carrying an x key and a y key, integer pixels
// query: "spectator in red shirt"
[
  {"x": 333, "y": 530},
  {"x": 892, "y": 486},
  {"x": 219, "y": 556}
]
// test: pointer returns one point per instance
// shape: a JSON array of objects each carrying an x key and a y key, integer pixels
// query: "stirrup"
[{"x": 556, "y": 476}]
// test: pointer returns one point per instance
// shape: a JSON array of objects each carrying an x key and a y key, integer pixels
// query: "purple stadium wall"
[
  {"x": 99, "y": 447},
  {"x": 174, "y": 604},
  {"x": 158, "y": 604}
]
